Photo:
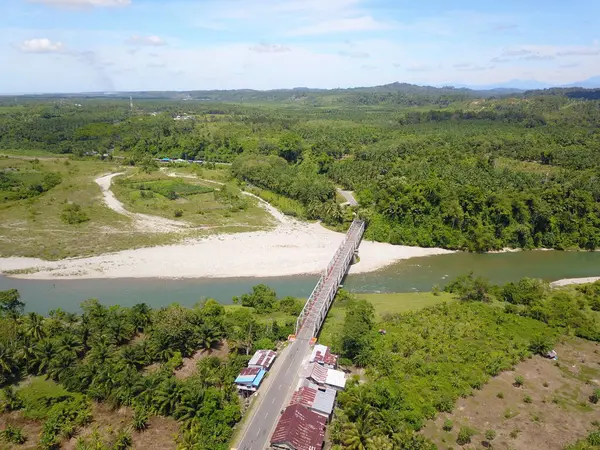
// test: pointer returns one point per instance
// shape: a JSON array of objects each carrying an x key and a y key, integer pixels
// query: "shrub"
[
  {"x": 464, "y": 435},
  {"x": 140, "y": 419},
  {"x": 13, "y": 435},
  {"x": 10, "y": 400},
  {"x": 594, "y": 438},
  {"x": 448, "y": 425},
  {"x": 500, "y": 395},
  {"x": 73, "y": 214},
  {"x": 178, "y": 213},
  {"x": 527, "y": 399},
  {"x": 519, "y": 381},
  {"x": 595, "y": 397},
  {"x": 540, "y": 344},
  {"x": 490, "y": 435},
  {"x": 123, "y": 440},
  {"x": 515, "y": 433}
]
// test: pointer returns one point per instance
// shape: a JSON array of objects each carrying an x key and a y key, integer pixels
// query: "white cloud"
[
  {"x": 343, "y": 25},
  {"x": 83, "y": 3},
  {"x": 153, "y": 41},
  {"x": 41, "y": 45}
]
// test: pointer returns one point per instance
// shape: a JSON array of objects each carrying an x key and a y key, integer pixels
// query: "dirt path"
[
  {"x": 349, "y": 196},
  {"x": 143, "y": 222}
]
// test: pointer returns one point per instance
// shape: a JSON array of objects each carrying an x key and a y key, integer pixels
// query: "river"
[{"x": 417, "y": 274}]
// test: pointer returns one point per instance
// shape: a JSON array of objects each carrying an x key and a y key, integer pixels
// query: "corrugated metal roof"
[
  {"x": 324, "y": 401},
  {"x": 263, "y": 358},
  {"x": 248, "y": 375},
  {"x": 300, "y": 428},
  {"x": 304, "y": 396},
  {"x": 317, "y": 373},
  {"x": 322, "y": 355},
  {"x": 336, "y": 378}
]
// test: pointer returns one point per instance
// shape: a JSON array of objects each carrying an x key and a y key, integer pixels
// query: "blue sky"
[{"x": 106, "y": 45}]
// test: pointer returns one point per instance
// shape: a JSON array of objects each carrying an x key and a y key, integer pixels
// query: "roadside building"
[
  {"x": 323, "y": 376},
  {"x": 250, "y": 378},
  {"x": 299, "y": 429},
  {"x": 263, "y": 359},
  {"x": 318, "y": 399},
  {"x": 323, "y": 356}
]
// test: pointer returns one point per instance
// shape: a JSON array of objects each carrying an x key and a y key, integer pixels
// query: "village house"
[
  {"x": 250, "y": 378},
  {"x": 318, "y": 399},
  {"x": 263, "y": 359},
  {"x": 323, "y": 356},
  {"x": 299, "y": 429},
  {"x": 323, "y": 376}
]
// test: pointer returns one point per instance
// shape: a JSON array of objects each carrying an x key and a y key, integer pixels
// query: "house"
[
  {"x": 263, "y": 359},
  {"x": 323, "y": 376},
  {"x": 299, "y": 429},
  {"x": 317, "y": 399},
  {"x": 322, "y": 355},
  {"x": 250, "y": 378}
]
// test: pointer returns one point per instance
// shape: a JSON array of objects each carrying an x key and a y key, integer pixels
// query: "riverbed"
[{"x": 416, "y": 274}]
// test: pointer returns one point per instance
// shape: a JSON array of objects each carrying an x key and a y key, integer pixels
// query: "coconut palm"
[
  {"x": 167, "y": 396},
  {"x": 33, "y": 327},
  {"x": 44, "y": 353}
]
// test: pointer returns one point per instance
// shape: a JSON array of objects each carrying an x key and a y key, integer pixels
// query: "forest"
[
  {"x": 449, "y": 168},
  {"x": 53, "y": 368}
]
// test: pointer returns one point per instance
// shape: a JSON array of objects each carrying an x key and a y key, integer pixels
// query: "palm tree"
[
  {"x": 355, "y": 436},
  {"x": 379, "y": 442},
  {"x": 140, "y": 316},
  {"x": 7, "y": 361},
  {"x": 192, "y": 402},
  {"x": 34, "y": 327},
  {"x": 101, "y": 351},
  {"x": 44, "y": 353},
  {"x": 208, "y": 337},
  {"x": 167, "y": 396},
  {"x": 69, "y": 343}
]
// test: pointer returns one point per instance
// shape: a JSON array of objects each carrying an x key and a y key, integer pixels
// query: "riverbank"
[
  {"x": 293, "y": 248},
  {"x": 571, "y": 281}
]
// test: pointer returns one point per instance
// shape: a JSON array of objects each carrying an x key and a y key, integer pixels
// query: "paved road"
[
  {"x": 264, "y": 418},
  {"x": 348, "y": 195}
]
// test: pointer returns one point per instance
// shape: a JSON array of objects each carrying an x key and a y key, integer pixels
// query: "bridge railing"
[{"x": 322, "y": 296}]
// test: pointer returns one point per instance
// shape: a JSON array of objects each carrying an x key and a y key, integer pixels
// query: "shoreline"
[
  {"x": 293, "y": 248},
  {"x": 573, "y": 281}
]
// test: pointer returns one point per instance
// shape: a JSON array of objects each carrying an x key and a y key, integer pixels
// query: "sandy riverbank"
[
  {"x": 570, "y": 281},
  {"x": 291, "y": 249}
]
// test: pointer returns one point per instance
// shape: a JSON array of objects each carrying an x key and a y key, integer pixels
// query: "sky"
[{"x": 137, "y": 45}]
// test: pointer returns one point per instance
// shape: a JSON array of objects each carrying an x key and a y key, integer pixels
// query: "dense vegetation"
[
  {"x": 126, "y": 357},
  {"x": 431, "y": 167},
  {"x": 426, "y": 360}
]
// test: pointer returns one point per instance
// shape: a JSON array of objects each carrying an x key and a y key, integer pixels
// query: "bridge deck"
[{"x": 317, "y": 306}]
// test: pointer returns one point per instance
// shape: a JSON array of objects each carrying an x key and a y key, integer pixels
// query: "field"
[
  {"x": 384, "y": 304},
  {"x": 51, "y": 208},
  {"x": 550, "y": 410}
]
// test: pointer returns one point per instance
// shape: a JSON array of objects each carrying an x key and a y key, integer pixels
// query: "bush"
[
  {"x": 490, "y": 435},
  {"x": 519, "y": 381},
  {"x": 448, "y": 425},
  {"x": 464, "y": 435},
  {"x": 178, "y": 213},
  {"x": 594, "y": 438},
  {"x": 527, "y": 399},
  {"x": 595, "y": 397},
  {"x": 73, "y": 214},
  {"x": 540, "y": 345},
  {"x": 500, "y": 395},
  {"x": 140, "y": 419},
  {"x": 13, "y": 435}
]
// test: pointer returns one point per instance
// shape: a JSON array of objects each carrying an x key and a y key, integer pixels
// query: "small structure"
[
  {"x": 323, "y": 376},
  {"x": 323, "y": 356},
  {"x": 299, "y": 429},
  {"x": 250, "y": 378},
  {"x": 315, "y": 398},
  {"x": 552, "y": 355},
  {"x": 263, "y": 359}
]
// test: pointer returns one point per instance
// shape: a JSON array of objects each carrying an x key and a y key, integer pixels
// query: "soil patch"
[
  {"x": 189, "y": 364},
  {"x": 551, "y": 409}
]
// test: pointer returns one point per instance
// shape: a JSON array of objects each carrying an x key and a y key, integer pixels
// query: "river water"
[{"x": 417, "y": 274}]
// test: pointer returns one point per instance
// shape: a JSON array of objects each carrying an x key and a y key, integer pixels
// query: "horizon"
[{"x": 74, "y": 46}]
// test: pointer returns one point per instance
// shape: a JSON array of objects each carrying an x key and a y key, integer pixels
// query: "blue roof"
[{"x": 252, "y": 376}]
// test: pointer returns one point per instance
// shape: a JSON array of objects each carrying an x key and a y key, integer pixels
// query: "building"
[
  {"x": 323, "y": 376},
  {"x": 322, "y": 355},
  {"x": 250, "y": 378},
  {"x": 299, "y": 429},
  {"x": 263, "y": 359},
  {"x": 317, "y": 399}
]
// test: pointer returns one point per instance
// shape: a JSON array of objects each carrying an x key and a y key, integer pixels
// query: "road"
[
  {"x": 348, "y": 195},
  {"x": 264, "y": 418}
]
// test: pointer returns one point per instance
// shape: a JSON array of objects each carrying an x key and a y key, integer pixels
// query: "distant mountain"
[
  {"x": 590, "y": 83},
  {"x": 512, "y": 86}
]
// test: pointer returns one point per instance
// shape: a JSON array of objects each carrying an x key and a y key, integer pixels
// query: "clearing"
[{"x": 551, "y": 409}]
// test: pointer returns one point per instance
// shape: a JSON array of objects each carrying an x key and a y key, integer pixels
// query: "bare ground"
[
  {"x": 189, "y": 364},
  {"x": 558, "y": 414}
]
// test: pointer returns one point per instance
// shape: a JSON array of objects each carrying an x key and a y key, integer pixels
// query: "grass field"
[
  {"x": 35, "y": 226},
  {"x": 384, "y": 304}
]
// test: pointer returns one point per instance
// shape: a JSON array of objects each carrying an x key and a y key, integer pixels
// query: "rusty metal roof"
[{"x": 300, "y": 429}]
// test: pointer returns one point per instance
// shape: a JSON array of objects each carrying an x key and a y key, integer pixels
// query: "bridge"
[{"x": 284, "y": 374}]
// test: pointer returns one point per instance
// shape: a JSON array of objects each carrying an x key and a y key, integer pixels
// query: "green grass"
[
  {"x": 39, "y": 395},
  {"x": 384, "y": 304}
]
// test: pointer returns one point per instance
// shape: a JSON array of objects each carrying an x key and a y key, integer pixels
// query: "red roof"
[
  {"x": 304, "y": 396},
  {"x": 318, "y": 373},
  {"x": 246, "y": 371},
  {"x": 325, "y": 358},
  {"x": 300, "y": 428}
]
